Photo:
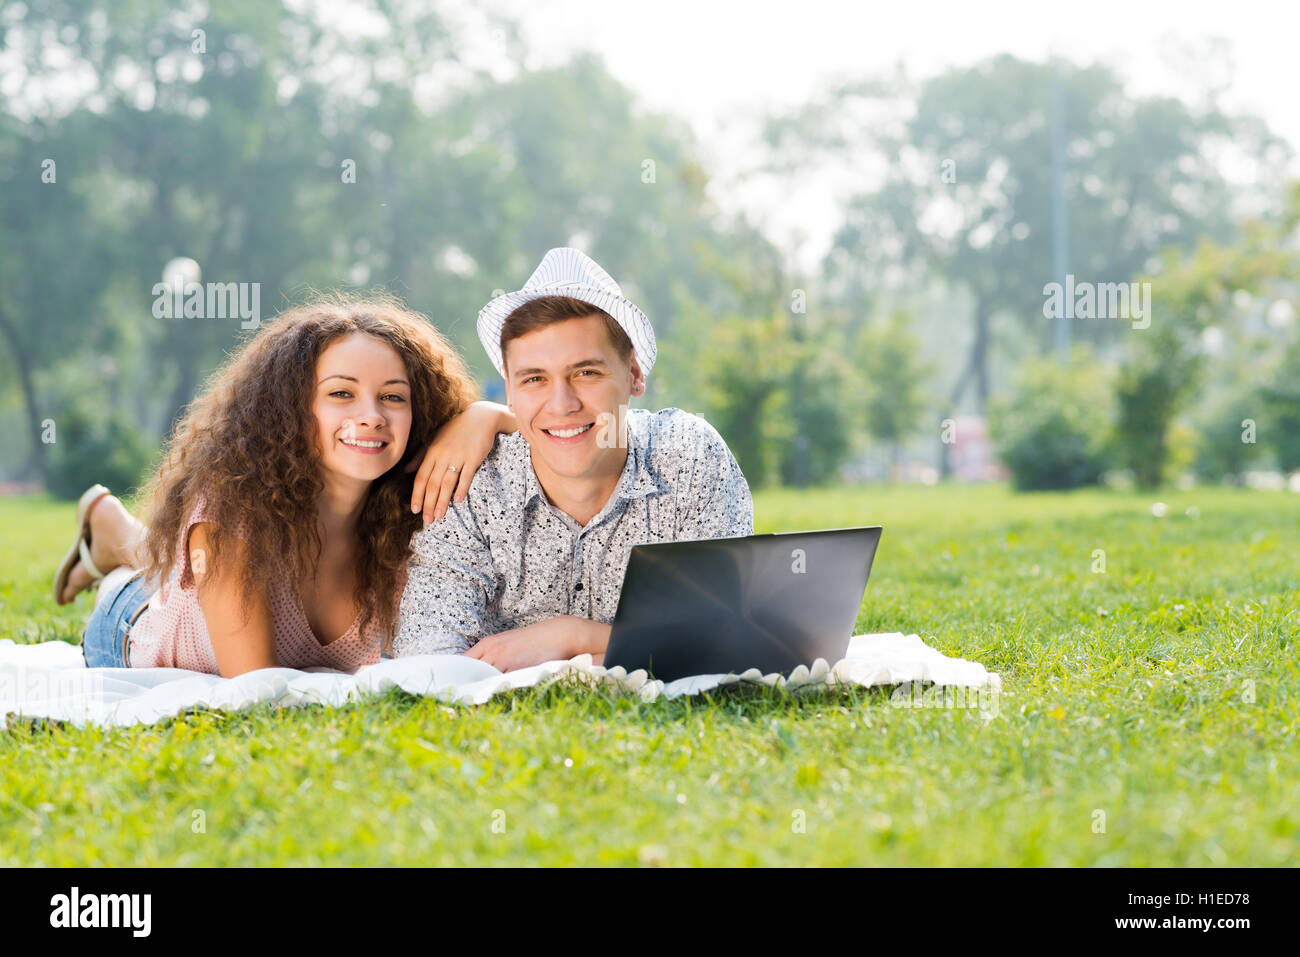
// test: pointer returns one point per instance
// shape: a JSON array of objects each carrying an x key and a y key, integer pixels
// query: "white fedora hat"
[{"x": 569, "y": 272}]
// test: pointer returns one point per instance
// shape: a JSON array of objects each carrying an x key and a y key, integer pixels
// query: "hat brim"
[{"x": 632, "y": 320}]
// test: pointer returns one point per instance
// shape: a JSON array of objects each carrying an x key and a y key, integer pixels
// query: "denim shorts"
[{"x": 106, "y": 642}]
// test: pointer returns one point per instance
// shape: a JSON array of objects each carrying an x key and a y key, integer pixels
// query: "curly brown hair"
[{"x": 246, "y": 446}]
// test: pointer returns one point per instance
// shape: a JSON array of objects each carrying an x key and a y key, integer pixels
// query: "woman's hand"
[{"x": 464, "y": 442}]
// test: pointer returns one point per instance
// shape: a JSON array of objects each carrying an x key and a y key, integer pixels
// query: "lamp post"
[
  {"x": 1060, "y": 212},
  {"x": 179, "y": 272}
]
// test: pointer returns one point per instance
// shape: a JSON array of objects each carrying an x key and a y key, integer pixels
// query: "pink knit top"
[{"x": 173, "y": 634}]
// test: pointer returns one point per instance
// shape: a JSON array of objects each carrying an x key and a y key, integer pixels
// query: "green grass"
[{"x": 1162, "y": 693}]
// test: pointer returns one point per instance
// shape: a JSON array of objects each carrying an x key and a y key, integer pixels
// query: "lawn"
[{"x": 1148, "y": 717}]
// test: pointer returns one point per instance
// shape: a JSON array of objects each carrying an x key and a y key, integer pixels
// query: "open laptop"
[{"x": 771, "y": 602}]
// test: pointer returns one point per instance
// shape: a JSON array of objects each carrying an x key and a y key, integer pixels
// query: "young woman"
[{"x": 281, "y": 516}]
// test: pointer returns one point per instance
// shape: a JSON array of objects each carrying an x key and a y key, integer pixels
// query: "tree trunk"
[
  {"x": 183, "y": 392},
  {"x": 35, "y": 466}
]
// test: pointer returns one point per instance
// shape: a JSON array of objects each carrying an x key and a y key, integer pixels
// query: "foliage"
[
  {"x": 786, "y": 405},
  {"x": 823, "y": 411},
  {"x": 746, "y": 368},
  {"x": 893, "y": 379},
  {"x": 1223, "y": 450},
  {"x": 1053, "y": 432},
  {"x": 1151, "y": 387},
  {"x": 966, "y": 192},
  {"x": 1281, "y": 426},
  {"x": 91, "y": 447},
  {"x": 233, "y": 154},
  {"x": 1165, "y": 363},
  {"x": 294, "y": 154}
]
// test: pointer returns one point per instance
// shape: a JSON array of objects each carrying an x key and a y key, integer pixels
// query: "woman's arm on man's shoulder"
[
  {"x": 243, "y": 639},
  {"x": 464, "y": 442}
]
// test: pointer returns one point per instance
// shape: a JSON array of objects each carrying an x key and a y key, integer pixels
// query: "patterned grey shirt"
[{"x": 506, "y": 557}]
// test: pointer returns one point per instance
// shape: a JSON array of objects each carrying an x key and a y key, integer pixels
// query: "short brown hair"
[{"x": 548, "y": 310}]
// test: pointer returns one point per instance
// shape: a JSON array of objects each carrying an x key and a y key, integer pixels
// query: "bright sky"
[{"x": 719, "y": 62}]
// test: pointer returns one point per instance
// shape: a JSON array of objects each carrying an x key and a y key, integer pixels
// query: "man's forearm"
[
  {"x": 555, "y": 639},
  {"x": 579, "y": 636},
  {"x": 597, "y": 639}
]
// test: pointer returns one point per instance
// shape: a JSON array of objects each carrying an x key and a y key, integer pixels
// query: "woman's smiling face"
[{"x": 362, "y": 405}]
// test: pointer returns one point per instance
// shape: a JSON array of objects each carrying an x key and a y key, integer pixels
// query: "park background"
[
  {"x": 842, "y": 224},
  {"x": 848, "y": 284}
]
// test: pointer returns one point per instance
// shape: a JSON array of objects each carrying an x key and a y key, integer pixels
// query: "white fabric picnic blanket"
[{"x": 51, "y": 680}]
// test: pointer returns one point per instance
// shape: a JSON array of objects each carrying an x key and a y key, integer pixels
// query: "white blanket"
[{"x": 51, "y": 680}]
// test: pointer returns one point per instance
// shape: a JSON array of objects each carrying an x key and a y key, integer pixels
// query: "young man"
[{"x": 529, "y": 567}]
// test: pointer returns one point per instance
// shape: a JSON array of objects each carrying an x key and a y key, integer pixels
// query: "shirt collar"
[{"x": 637, "y": 481}]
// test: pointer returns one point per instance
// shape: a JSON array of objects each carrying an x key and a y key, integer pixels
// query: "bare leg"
[{"x": 116, "y": 537}]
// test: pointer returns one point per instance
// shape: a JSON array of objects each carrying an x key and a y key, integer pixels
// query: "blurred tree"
[
  {"x": 95, "y": 446},
  {"x": 1165, "y": 363},
  {"x": 1281, "y": 396},
  {"x": 762, "y": 390},
  {"x": 824, "y": 409},
  {"x": 1054, "y": 430},
  {"x": 52, "y": 264},
  {"x": 1226, "y": 446},
  {"x": 180, "y": 144},
  {"x": 965, "y": 181},
  {"x": 745, "y": 369},
  {"x": 887, "y": 358},
  {"x": 275, "y": 147}
]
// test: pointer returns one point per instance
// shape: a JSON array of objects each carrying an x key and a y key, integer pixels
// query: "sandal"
[{"x": 80, "y": 550}]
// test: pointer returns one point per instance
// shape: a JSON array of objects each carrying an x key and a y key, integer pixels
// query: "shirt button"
[{"x": 578, "y": 587}]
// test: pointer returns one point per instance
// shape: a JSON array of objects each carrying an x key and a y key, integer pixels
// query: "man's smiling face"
[{"x": 560, "y": 380}]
